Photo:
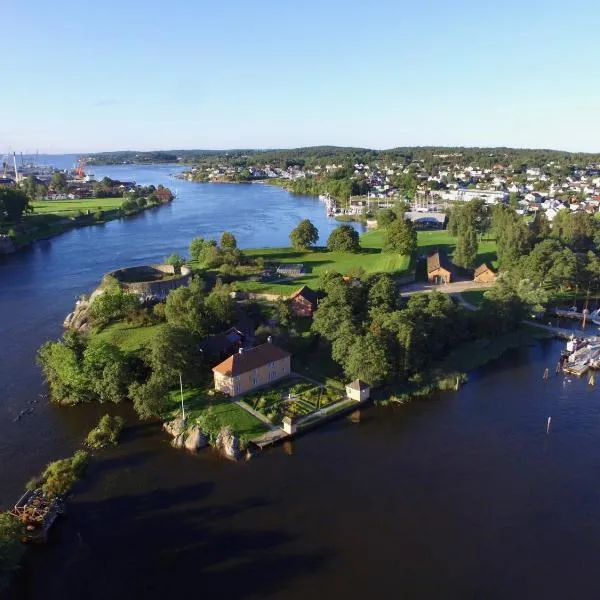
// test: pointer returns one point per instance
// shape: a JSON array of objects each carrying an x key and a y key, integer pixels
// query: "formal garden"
[{"x": 298, "y": 397}]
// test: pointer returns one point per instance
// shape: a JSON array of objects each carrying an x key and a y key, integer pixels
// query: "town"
[{"x": 431, "y": 185}]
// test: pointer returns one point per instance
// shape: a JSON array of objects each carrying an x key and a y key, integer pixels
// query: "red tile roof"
[{"x": 251, "y": 359}]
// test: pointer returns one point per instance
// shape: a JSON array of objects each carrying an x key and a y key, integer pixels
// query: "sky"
[{"x": 142, "y": 75}]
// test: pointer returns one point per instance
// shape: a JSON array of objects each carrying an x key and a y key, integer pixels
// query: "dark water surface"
[{"x": 462, "y": 496}]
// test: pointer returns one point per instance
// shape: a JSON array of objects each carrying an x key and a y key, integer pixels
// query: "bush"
[
  {"x": 11, "y": 547},
  {"x": 61, "y": 475},
  {"x": 99, "y": 215},
  {"x": 106, "y": 433}
]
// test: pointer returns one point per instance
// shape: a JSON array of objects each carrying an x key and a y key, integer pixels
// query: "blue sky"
[{"x": 91, "y": 76}]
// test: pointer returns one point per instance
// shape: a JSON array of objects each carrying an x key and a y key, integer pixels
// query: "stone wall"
[{"x": 145, "y": 280}]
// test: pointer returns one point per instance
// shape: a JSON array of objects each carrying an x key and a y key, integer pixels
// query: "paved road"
[{"x": 445, "y": 288}]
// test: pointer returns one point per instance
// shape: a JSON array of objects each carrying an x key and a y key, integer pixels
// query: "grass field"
[
  {"x": 197, "y": 401},
  {"x": 474, "y": 297},
  {"x": 442, "y": 240},
  {"x": 70, "y": 208},
  {"x": 319, "y": 261},
  {"x": 128, "y": 337}
]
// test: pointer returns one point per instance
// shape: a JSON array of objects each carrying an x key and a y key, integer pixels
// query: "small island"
[{"x": 238, "y": 349}]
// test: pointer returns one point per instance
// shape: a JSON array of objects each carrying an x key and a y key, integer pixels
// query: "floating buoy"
[
  {"x": 546, "y": 374},
  {"x": 548, "y": 425}
]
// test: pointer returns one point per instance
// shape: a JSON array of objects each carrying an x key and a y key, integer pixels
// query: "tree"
[
  {"x": 220, "y": 308},
  {"x": 304, "y": 235},
  {"x": 228, "y": 241},
  {"x": 385, "y": 217},
  {"x": 59, "y": 181},
  {"x": 466, "y": 248},
  {"x": 11, "y": 548},
  {"x": 185, "y": 308},
  {"x": 150, "y": 398},
  {"x": 343, "y": 238},
  {"x": 400, "y": 236},
  {"x": 13, "y": 204},
  {"x": 177, "y": 261},
  {"x": 62, "y": 370},
  {"x": 107, "y": 371},
  {"x": 540, "y": 226},
  {"x": 174, "y": 350},
  {"x": 204, "y": 252},
  {"x": 367, "y": 359}
]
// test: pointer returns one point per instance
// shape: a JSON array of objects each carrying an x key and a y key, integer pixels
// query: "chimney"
[
  {"x": 269, "y": 340},
  {"x": 240, "y": 350}
]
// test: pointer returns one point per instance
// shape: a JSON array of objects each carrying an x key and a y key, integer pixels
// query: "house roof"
[
  {"x": 482, "y": 269},
  {"x": 438, "y": 260},
  {"x": 222, "y": 342},
  {"x": 306, "y": 293},
  {"x": 358, "y": 384},
  {"x": 251, "y": 359}
]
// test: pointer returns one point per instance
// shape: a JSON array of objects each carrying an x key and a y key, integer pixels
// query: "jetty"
[{"x": 37, "y": 513}]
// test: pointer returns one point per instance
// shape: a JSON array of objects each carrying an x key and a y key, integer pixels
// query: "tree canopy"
[
  {"x": 304, "y": 235},
  {"x": 344, "y": 238}
]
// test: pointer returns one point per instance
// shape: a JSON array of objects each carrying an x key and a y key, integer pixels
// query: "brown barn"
[
  {"x": 439, "y": 269},
  {"x": 484, "y": 274},
  {"x": 304, "y": 302}
]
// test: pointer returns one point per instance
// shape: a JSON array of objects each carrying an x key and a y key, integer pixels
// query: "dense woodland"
[{"x": 428, "y": 156}]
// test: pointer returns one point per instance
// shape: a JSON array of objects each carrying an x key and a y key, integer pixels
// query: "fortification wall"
[{"x": 149, "y": 281}]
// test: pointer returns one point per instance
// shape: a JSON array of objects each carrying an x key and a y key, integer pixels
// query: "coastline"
[{"x": 26, "y": 240}]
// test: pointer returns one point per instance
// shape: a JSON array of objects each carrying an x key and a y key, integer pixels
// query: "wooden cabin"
[
  {"x": 304, "y": 302},
  {"x": 484, "y": 274},
  {"x": 439, "y": 268}
]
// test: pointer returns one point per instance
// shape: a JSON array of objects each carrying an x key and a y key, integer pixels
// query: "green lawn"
[
  {"x": 70, "y": 208},
  {"x": 442, "y": 240},
  {"x": 128, "y": 337},
  {"x": 197, "y": 401},
  {"x": 319, "y": 261}
]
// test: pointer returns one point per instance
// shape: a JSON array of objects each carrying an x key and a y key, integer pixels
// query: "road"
[{"x": 445, "y": 288}]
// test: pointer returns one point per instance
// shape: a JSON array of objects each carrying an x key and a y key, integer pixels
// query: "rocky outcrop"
[
  {"x": 78, "y": 319},
  {"x": 228, "y": 444},
  {"x": 6, "y": 245},
  {"x": 192, "y": 439},
  {"x": 195, "y": 439}
]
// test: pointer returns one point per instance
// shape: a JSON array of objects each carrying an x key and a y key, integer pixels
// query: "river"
[{"x": 461, "y": 496}]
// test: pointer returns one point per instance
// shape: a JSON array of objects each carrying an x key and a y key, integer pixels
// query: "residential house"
[
  {"x": 252, "y": 368},
  {"x": 439, "y": 268},
  {"x": 223, "y": 344},
  {"x": 484, "y": 274},
  {"x": 304, "y": 302}
]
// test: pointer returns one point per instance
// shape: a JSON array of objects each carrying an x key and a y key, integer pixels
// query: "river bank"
[
  {"x": 55, "y": 217},
  {"x": 439, "y": 473}
]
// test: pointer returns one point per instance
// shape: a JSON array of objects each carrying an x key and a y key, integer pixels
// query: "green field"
[
  {"x": 442, "y": 240},
  {"x": 319, "y": 261},
  {"x": 126, "y": 336},
  {"x": 197, "y": 401},
  {"x": 70, "y": 208}
]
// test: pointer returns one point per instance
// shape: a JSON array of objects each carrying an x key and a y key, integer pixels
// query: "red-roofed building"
[{"x": 252, "y": 368}]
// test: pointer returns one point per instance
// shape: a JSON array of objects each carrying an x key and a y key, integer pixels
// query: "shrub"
[
  {"x": 61, "y": 475},
  {"x": 11, "y": 547},
  {"x": 106, "y": 433}
]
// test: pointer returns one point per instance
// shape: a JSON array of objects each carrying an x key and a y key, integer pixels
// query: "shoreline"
[{"x": 73, "y": 223}]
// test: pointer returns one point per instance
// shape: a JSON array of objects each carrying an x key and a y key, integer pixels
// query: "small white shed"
[{"x": 358, "y": 390}]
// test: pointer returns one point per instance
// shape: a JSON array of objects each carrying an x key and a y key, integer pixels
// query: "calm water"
[{"x": 462, "y": 496}]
